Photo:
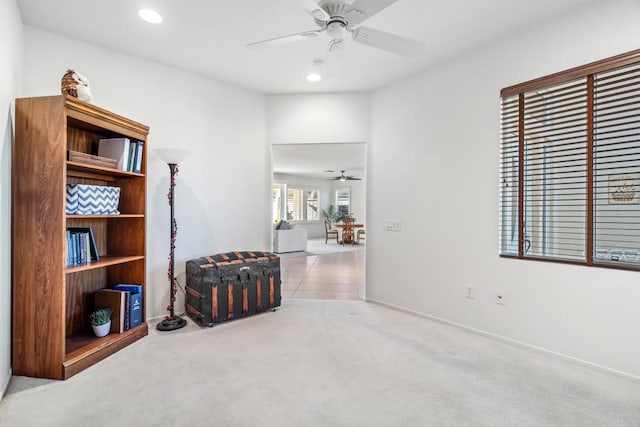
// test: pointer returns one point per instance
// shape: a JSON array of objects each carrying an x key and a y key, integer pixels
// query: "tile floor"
[{"x": 335, "y": 276}]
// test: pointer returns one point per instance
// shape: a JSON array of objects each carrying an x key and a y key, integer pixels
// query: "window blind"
[
  {"x": 570, "y": 166},
  {"x": 555, "y": 164},
  {"x": 295, "y": 205},
  {"x": 617, "y": 166},
  {"x": 312, "y": 205}
]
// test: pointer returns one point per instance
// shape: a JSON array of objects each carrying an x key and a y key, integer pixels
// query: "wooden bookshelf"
[{"x": 51, "y": 301}]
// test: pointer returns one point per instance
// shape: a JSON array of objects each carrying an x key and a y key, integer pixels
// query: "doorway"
[{"x": 309, "y": 183}]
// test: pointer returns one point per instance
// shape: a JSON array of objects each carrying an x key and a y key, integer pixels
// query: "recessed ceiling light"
[{"x": 150, "y": 16}]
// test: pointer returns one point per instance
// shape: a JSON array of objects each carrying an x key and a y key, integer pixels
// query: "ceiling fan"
[
  {"x": 335, "y": 17},
  {"x": 343, "y": 177}
]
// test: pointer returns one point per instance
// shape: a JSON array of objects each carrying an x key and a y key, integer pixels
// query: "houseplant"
[
  {"x": 101, "y": 321},
  {"x": 331, "y": 215}
]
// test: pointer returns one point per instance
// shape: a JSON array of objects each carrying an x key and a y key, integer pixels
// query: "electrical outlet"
[
  {"x": 392, "y": 225},
  {"x": 501, "y": 297},
  {"x": 471, "y": 291}
]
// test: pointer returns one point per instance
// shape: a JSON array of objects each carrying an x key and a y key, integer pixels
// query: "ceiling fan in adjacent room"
[
  {"x": 337, "y": 17},
  {"x": 342, "y": 177}
]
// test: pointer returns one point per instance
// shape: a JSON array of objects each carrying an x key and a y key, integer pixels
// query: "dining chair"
[
  {"x": 360, "y": 235},
  {"x": 329, "y": 232}
]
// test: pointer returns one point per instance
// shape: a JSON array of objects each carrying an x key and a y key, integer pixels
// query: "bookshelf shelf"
[
  {"x": 105, "y": 261},
  {"x": 83, "y": 348},
  {"x": 51, "y": 301},
  {"x": 74, "y": 168},
  {"x": 105, "y": 216}
]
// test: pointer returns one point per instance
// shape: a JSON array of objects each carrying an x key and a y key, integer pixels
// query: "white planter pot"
[{"x": 102, "y": 330}]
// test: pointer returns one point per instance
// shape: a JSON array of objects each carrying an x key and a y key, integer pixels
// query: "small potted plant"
[{"x": 101, "y": 321}]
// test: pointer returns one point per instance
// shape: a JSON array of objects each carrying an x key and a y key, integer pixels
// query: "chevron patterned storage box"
[{"x": 83, "y": 199}]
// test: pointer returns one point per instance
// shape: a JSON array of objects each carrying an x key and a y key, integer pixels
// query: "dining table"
[{"x": 347, "y": 232}]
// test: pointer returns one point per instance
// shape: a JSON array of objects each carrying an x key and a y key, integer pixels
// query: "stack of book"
[
  {"x": 81, "y": 246},
  {"x": 127, "y": 153},
  {"x": 126, "y": 302}
]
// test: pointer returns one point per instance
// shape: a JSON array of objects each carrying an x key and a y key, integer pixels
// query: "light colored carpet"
[{"x": 325, "y": 363}]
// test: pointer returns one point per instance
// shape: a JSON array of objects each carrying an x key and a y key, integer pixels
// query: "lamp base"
[{"x": 171, "y": 324}]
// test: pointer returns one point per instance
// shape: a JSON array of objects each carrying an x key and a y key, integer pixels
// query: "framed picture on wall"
[{"x": 623, "y": 189}]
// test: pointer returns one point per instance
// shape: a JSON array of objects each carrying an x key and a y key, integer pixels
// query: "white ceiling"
[
  {"x": 209, "y": 37},
  {"x": 312, "y": 160}
]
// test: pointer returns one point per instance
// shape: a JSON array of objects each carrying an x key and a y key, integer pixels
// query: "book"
[
  {"x": 117, "y": 149},
  {"x": 139, "y": 150},
  {"x": 76, "y": 251},
  {"x": 135, "y": 303},
  {"x": 87, "y": 246},
  {"x": 115, "y": 300},
  {"x": 127, "y": 309},
  {"x": 132, "y": 157},
  {"x": 68, "y": 257},
  {"x": 132, "y": 153},
  {"x": 82, "y": 248}
]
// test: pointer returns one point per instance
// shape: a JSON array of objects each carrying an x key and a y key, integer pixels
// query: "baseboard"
[
  {"x": 522, "y": 344},
  {"x": 5, "y": 386}
]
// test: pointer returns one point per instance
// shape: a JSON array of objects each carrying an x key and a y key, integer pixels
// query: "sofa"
[{"x": 291, "y": 240}]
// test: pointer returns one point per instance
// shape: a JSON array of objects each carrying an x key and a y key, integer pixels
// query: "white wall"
[
  {"x": 318, "y": 118},
  {"x": 10, "y": 52},
  {"x": 223, "y": 188},
  {"x": 440, "y": 131}
]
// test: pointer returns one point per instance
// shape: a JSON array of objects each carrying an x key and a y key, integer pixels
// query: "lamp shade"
[{"x": 171, "y": 155}]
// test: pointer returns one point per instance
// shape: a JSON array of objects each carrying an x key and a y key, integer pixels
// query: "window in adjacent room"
[
  {"x": 343, "y": 200},
  {"x": 302, "y": 204},
  {"x": 276, "y": 202},
  {"x": 570, "y": 166},
  {"x": 311, "y": 198}
]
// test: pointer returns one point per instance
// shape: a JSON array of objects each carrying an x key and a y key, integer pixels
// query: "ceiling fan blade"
[
  {"x": 335, "y": 58},
  {"x": 285, "y": 39},
  {"x": 387, "y": 41},
  {"x": 361, "y": 10},
  {"x": 350, "y": 178},
  {"x": 315, "y": 10}
]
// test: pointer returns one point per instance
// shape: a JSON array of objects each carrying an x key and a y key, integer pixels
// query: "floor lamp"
[{"x": 172, "y": 156}]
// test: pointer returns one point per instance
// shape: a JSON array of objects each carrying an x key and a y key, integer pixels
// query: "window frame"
[{"x": 587, "y": 72}]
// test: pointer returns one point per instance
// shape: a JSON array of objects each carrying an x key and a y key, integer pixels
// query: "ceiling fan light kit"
[
  {"x": 335, "y": 17},
  {"x": 335, "y": 29},
  {"x": 150, "y": 16},
  {"x": 316, "y": 73}
]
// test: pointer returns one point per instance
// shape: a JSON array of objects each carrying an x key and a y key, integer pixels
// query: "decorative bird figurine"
[{"x": 76, "y": 85}]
